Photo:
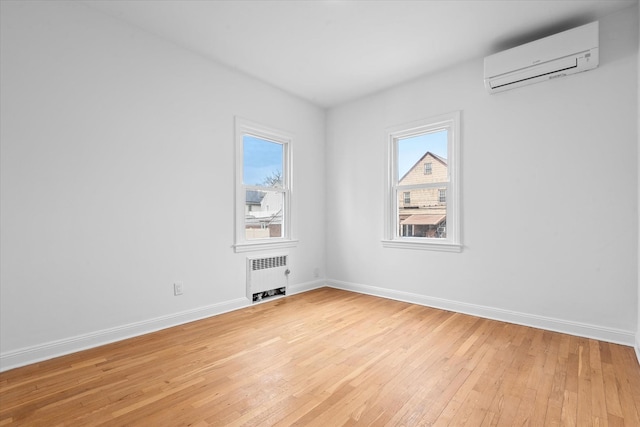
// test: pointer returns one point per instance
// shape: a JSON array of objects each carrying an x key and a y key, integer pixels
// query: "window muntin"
[
  {"x": 263, "y": 187},
  {"x": 432, "y": 219}
]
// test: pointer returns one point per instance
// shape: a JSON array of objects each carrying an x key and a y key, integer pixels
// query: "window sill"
[
  {"x": 421, "y": 245},
  {"x": 264, "y": 245}
]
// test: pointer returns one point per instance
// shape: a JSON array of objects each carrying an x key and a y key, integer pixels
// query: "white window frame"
[
  {"x": 242, "y": 244},
  {"x": 392, "y": 239}
]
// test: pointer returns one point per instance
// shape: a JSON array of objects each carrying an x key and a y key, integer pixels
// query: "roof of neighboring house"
[
  {"x": 428, "y": 153},
  {"x": 254, "y": 197},
  {"x": 424, "y": 219}
]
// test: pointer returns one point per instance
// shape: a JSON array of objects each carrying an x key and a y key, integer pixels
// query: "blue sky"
[
  {"x": 261, "y": 159},
  {"x": 410, "y": 150}
]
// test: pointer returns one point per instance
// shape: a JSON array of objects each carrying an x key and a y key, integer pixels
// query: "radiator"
[{"x": 267, "y": 277}]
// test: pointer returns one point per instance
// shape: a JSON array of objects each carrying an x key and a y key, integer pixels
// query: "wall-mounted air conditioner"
[{"x": 555, "y": 56}]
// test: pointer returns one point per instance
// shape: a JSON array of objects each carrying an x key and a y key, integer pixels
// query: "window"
[
  {"x": 407, "y": 197},
  {"x": 422, "y": 160},
  {"x": 263, "y": 187}
]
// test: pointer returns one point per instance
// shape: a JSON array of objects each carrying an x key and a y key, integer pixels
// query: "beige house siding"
[
  {"x": 423, "y": 201},
  {"x": 421, "y": 198},
  {"x": 426, "y": 197},
  {"x": 416, "y": 174}
]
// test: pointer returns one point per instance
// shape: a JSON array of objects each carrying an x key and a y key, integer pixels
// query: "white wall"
[
  {"x": 555, "y": 244},
  {"x": 117, "y": 173},
  {"x": 117, "y": 180}
]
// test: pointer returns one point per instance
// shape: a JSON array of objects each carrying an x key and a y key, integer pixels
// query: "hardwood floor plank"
[
  {"x": 584, "y": 409},
  {"x": 626, "y": 384},
  {"x": 569, "y": 408},
  {"x": 598, "y": 398},
  {"x": 331, "y": 357}
]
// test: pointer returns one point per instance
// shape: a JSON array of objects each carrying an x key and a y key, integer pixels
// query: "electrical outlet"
[
  {"x": 316, "y": 272},
  {"x": 178, "y": 288}
]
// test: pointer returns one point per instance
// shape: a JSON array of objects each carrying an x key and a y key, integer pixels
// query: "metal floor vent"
[{"x": 267, "y": 277}]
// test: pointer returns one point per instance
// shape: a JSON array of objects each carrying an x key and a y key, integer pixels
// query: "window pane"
[
  {"x": 263, "y": 214},
  {"x": 424, "y": 216},
  {"x": 422, "y": 158},
  {"x": 262, "y": 162}
]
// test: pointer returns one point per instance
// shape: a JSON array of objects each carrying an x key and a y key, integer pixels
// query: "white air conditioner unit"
[{"x": 555, "y": 56}]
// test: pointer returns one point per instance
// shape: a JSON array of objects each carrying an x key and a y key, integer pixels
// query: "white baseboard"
[
  {"x": 308, "y": 286},
  {"x": 637, "y": 346},
  {"x": 37, "y": 353},
  {"x": 616, "y": 336},
  {"x": 49, "y": 350}
]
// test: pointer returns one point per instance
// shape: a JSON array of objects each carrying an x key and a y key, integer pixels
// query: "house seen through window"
[
  {"x": 425, "y": 214},
  {"x": 262, "y": 178}
]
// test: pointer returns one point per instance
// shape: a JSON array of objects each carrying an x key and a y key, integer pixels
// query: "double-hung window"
[
  {"x": 263, "y": 187},
  {"x": 432, "y": 221}
]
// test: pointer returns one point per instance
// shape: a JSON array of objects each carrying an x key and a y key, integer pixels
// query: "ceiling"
[{"x": 332, "y": 51}]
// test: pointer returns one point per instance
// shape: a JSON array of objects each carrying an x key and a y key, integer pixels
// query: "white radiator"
[{"x": 267, "y": 276}]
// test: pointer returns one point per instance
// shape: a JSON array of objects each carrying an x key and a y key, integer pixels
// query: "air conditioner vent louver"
[
  {"x": 272, "y": 262},
  {"x": 552, "y": 75}
]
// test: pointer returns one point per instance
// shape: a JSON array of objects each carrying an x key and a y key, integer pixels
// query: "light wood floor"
[{"x": 333, "y": 358}]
